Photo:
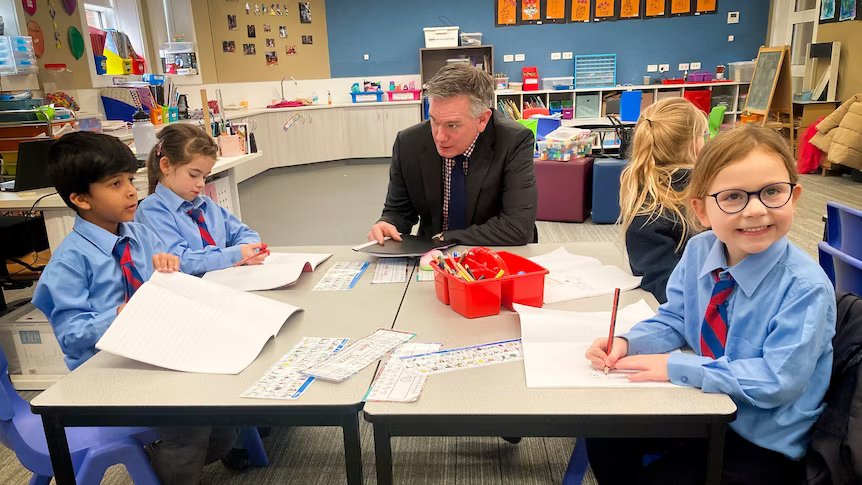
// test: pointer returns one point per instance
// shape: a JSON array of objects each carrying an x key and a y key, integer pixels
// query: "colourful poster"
[
  {"x": 507, "y": 11},
  {"x": 654, "y": 8},
  {"x": 630, "y": 9},
  {"x": 680, "y": 7},
  {"x": 556, "y": 9},
  {"x": 580, "y": 11},
  {"x": 605, "y": 9},
  {"x": 530, "y": 11},
  {"x": 707, "y": 6},
  {"x": 848, "y": 10}
]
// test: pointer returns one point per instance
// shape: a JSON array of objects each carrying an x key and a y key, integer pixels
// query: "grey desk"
[
  {"x": 108, "y": 390},
  {"x": 494, "y": 400}
]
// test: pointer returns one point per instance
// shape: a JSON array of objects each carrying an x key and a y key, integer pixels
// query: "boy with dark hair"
[{"x": 97, "y": 269}]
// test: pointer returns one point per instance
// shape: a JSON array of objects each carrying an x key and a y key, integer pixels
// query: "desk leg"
[
  {"x": 352, "y": 448},
  {"x": 58, "y": 447},
  {"x": 715, "y": 454},
  {"x": 383, "y": 454}
]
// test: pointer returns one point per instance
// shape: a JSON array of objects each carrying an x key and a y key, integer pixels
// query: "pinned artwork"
[
  {"x": 76, "y": 42},
  {"x": 307, "y": 39},
  {"x": 507, "y": 13},
  {"x": 228, "y": 46},
  {"x": 247, "y": 8},
  {"x": 29, "y": 6},
  {"x": 271, "y": 58},
  {"x": 290, "y": 50},
  {"x": 35, "y": 33},
  {"x": 272, "y": 9},
  {"x": 630, "y": 9},
  {"x": 251, "y": 32},
  {"x": 270, "y": 42},
  {"x": 304, "y": 13},
  {"x": 264, "y": 9},
  {"x": 580, "y": 11},
  {"x": 530, "y": 12},
  {"x": 70, "y": 6},
  {"x": 256, "y": 9},
  {"x": 278, "y": 10},
  {"x": 248, "y": 49},
  {"x": 282, "y": 31},
  {"x": 231, "y": 22},
  {"x": 267, "y": 28}
]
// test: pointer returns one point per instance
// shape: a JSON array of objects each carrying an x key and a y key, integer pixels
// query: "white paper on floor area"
[
  {"x": 572, "y": 276},
  {"x": 277, "y": 271},
  {"x": 555, "y": 343}
]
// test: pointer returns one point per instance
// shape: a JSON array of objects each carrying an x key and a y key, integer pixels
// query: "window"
[{"x": 100, "y": 16}]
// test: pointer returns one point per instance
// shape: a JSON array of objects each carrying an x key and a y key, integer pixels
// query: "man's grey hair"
[{"x": 461, "y": 79}]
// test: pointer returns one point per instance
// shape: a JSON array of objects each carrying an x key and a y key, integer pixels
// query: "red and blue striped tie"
[
  {"x": 197, "y": 215},
  {"x": 713, "y": 335},
  {"x": 131, "y": 278}
]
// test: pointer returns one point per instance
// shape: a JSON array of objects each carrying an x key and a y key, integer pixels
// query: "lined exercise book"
[
  {"x": 184, "y": 323},
  {"x": 277, "y": 271}
]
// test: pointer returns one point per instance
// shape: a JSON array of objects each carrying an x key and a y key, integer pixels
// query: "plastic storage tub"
[
  {"x": 471, "y": 38},
  {"x": 741, "y": 71},
  {"x": 483, "y": 298},
  {"x": 700, "y": 77},
  {"x": 564, "y": 144},
  {"x": 568, "y": 82},
  {"x": 367, "y": 97},
  {"x": 441, "y": 36},
  {"x": 403, "y": 95}
]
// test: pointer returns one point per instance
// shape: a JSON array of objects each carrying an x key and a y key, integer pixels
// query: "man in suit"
[{"x": 466, "y": 174}]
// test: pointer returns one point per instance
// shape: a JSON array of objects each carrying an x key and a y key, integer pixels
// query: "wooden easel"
[{"x": 771, "y": 93}]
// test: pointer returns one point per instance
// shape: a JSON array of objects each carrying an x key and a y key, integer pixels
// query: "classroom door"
[{"x": 795, "y": 24}]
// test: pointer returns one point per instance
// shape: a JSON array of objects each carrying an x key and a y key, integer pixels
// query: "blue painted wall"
[{"x": 390, "y": 32}]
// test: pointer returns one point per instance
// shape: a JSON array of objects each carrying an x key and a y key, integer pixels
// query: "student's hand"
[
  {"x": 597, "y": 352},
  {"x": 120, "y": 308},
  {"x": 381, "y": 230},
  {"x": 653, "y": 367},
  {"x": 166, "y": 263},
  {"x": 256, "y": 250}
]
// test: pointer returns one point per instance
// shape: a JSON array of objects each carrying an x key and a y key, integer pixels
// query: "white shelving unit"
[{"x": 732, "y": 88}]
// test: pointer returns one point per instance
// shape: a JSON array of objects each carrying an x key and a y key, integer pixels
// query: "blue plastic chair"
[
  {"x": 93, "y": 449},
  {"x": 843, "y": 270},
  {"x": 844, "y": 229}
]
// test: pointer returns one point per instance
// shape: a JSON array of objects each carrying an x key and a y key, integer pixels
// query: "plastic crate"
[
  {"x": 596, "y": 71},
  {"x": 565, "y": 82},
  {"x": 741, "y": 71},
  {"x": 408, "y": 95},
  {"x": 700, "y": 77},
  {"x": 441, "y": 36},
  {"x": 367, "y": 97},
  {"x": 483, "y": 298}
]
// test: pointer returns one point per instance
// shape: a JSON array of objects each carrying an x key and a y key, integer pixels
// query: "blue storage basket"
[{"x": 367, "y": 97}]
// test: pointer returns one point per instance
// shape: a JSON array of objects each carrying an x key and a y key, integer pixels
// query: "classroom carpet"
[{"x": 287, "y": 207}]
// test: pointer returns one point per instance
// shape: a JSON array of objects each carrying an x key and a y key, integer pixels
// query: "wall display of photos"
[{"x": 527, "y": 12}]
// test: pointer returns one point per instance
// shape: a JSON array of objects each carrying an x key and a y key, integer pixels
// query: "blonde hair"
[
  {"x": 665, "y": 141},
  {"x": 730, "y": 147},
  {"x": 178, "y": 143}
]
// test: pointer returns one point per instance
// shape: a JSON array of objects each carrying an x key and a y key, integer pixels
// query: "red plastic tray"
[{"x": 483, "y": 298}]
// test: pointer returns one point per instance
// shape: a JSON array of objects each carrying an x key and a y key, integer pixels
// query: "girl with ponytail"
[{"x": 668, "y": 137}]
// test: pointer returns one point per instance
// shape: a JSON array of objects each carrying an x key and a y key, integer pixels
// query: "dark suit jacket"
[{"x": 501, "y": 185}]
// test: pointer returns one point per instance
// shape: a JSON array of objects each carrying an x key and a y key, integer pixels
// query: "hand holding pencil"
[
  {"x": 253, "y": 254},
  {"x": 605, "y": 352}
]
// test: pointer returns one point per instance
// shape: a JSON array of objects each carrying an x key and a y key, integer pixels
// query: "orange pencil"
[{"x": 613, "y": 324}]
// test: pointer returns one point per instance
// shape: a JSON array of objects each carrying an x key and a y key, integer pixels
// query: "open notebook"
[
  {"x": 184, "y": 323},
  {"x": 277, "y": 271},
  {"x": 555, "y": 343}
]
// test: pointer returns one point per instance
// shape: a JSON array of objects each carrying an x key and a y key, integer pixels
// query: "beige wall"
[
  {"x": 850, "y": 73},
  {"x": 211, "y": 28}
]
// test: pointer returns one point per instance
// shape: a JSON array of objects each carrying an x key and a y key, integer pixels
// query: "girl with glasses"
[{"x": 756, "y": 310}]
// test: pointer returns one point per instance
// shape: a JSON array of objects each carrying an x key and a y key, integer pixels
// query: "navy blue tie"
[{"x": 458, "y": 196}]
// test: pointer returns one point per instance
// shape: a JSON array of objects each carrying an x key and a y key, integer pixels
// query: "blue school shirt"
[
  {"x": 82, "y": 286},
  {"x": 778, "y": 358},
  {"x": 166, "y": 213}
]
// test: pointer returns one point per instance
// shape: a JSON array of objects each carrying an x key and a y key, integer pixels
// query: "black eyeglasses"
[{"x": 772, "y": 196}]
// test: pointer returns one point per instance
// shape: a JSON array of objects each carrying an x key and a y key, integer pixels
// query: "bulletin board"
[
  {"x": 297, "y": 38},
  {"x": 79, "y": 77}
]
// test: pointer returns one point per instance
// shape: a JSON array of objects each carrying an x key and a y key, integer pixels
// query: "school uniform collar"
[
  {"x": 101, "y": 238},
  {"x": 174, "y": 201},
  {"x": 748, "y": 273}
]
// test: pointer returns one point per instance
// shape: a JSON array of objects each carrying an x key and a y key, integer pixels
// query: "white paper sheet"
[
  {"x": 572, "y": 276},
  {"x": 184, "y": 323},
  {"x": 463, "y": 358},
  {"x": 390, "y": 270},
  {"x": 393, "y": 383},
  {"x": 358, "y": 355},
  {"x": 555, "y": 343},
  {"x": 277, "y": 271},
  {"x": 342, "y": 276},
  {"x": 284, "y": 380},
  {"x": 424, "y": 275}
]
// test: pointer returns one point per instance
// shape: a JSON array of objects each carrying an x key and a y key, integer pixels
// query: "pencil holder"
[{"x": 524, "y": 284}]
